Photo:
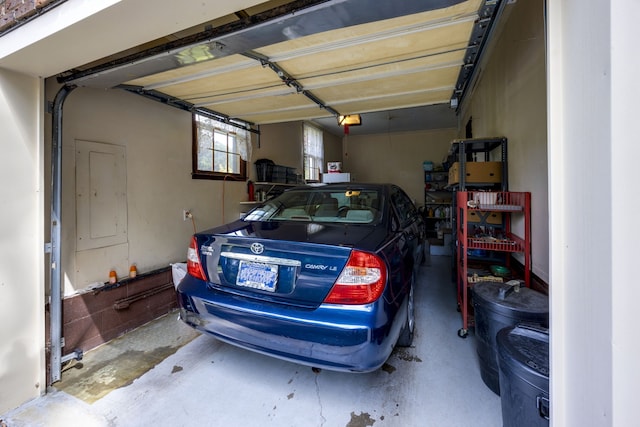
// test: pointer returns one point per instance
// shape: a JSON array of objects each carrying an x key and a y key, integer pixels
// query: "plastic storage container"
[
  {"x": 279, "y": 174},
  {"x": 178, "y": 271},
  {"x": 264, "y": 170},
  {"x": 496, "y": 306},
  {"x": 523, "y": 360}
]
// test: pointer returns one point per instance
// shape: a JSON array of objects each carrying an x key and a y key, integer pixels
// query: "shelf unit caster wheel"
[{"x": 462, "y": 333}]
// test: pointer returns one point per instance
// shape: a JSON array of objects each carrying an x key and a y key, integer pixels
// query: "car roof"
[{"x": 346, "y": 185}]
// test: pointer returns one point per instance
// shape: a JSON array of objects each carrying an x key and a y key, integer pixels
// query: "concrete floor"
[{"x": 165, "y": 374}]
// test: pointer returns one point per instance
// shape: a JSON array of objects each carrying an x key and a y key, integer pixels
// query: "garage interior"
[
  {"x": 416, "y": 64},
  {"x": 419, "y": 75}
]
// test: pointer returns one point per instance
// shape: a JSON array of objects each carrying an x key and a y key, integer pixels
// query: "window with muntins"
[
  {"x": 219, "y": 150},
  {"x": 313, "y": 153}
]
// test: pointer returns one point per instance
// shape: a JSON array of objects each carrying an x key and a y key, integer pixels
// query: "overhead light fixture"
[
  {"x": 350, "y": 120},
  {"x": 195, "y": 54}
]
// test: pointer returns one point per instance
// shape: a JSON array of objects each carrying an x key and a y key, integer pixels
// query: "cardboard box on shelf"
[
  {"x": 492, "y": 218},
  {"x": 477, "y": 172}
]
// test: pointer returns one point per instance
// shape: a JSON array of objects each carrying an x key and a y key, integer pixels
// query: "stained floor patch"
[
  {"x": 389, "y": 369},
  {"x": 362, "y": 420},
  {"x": 403, "y": 354},
  {"x": 121, "y": 361}
]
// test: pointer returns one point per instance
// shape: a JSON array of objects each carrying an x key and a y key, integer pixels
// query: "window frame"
[
  {"x": 405, "y": 209},
  {"x": 305, "y": 156},
  {"x": 213, "y": 175}
]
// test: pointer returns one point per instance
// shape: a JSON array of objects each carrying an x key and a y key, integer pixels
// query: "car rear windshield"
[{"x": 351, "y": 206}]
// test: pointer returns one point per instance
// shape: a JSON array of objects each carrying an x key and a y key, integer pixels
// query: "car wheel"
[{"x": 406, "y": 336}]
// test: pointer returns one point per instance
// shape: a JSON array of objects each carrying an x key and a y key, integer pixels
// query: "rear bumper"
[{"x": 335, "y": 337}]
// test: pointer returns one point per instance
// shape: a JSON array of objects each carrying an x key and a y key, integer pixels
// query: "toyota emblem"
[{"x": 257, "y": 248}]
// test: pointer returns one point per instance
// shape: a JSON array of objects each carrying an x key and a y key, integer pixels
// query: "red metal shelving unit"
[{"x": 490, "y": 237}]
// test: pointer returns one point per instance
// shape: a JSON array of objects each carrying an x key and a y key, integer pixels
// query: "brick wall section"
[
  {"x": 94, "y": 318},
  {"x": 15, "y": 11}
]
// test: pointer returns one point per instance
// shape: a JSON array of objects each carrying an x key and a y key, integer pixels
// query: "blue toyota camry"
[{"x": 320, "y": 275}]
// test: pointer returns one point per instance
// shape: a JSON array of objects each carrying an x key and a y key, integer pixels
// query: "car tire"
[{"x": 406, "y": 335}]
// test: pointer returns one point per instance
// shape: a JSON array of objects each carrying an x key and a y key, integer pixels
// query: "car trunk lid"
[{"x": 288, "y": 272}]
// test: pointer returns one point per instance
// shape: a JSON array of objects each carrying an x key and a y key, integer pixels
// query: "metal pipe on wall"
[{"x": 55, "y": 271}]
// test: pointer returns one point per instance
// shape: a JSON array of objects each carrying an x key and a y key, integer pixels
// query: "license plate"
[{"x": 257, "y": 275}]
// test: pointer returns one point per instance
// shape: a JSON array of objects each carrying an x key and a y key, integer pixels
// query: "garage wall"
[
  {"x": 21, "y": 244},
  {"x": 282, "y": 143},
  {"x": 510, "y": 100},
  {"x": 156, "y": 140},
  {"x": 332, "y": 148},
  {"x": 396, "y": 157}
]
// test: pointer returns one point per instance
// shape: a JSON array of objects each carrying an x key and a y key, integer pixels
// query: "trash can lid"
[
  {"x": 526, "y": 346},
  {"x": 508, "y": 299}
]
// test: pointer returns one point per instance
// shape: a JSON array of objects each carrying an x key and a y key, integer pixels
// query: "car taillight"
[
  {"x": 361, "y": 281},
  {"x": 194, "y": 267}
]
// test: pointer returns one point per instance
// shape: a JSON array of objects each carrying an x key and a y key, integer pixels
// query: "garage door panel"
[
  {"x": 199, "y": 70},
  {"x": 456, "y": 12},
  {"x": 436, "y": 79},
  {"x": 398, "y": 49},
  {"x": 451, "y": 59},
  {"x": 411, "y": 58},
  {"x": 249, "y": 80},
  {"x": 290, "y": 101},
  {"x": 313, "y": 112},
  {"x": 403, "y": 101}
]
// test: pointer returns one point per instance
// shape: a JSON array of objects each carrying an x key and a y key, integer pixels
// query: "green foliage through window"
[{"x": 220, "y": 150}]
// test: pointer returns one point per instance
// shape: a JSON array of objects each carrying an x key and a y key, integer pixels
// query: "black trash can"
[
  {"x": 523, "y": 360},
  {"x": 496, "y": 306}
]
